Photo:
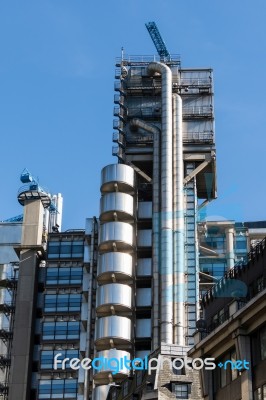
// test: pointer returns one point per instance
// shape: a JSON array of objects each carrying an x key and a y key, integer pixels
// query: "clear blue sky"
[{"x": 56, "y": 92}]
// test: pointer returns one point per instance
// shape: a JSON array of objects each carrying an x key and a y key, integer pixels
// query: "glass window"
[
  {"x": 217, "y": 243},
  {"x": 47, "y": 358},
  {"x": 234, "y": 372},
  {"x": 64, "y": 276},
  {"x": 53, "y": 248},
  {"x": 57, "y": 388},
  {"x": 260, "y": 284},
  {"x": 214, "y": 269},
  {"x": 61, "y": 330},
  {"x": 180, "y": 390},
  {"x": 263, "y": 343},
  {"x": 66, "y": 249},
  {"x": 62, "y": 302},
  {"x": 241, "y": 243}
]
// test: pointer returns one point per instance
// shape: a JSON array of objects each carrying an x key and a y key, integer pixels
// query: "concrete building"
[{"x": 234, "y": 328}]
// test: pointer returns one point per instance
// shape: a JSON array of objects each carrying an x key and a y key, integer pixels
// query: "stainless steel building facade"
[{"x": 164, "y": 130}]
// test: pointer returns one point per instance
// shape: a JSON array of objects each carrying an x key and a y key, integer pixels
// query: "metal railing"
[
  {"x": 196, "y": 82},
  {"x": 219, "y": 321},
  {"x": 145, "y": 112},
  {"x": 198, "y": 111},
  {"x": 198, "y": 137},
  {"x": 137, "y": 59},
  {"x": 253, "y": 255}
]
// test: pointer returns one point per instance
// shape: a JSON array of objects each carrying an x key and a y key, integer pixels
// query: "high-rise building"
[
  {"x": 129, "y": 284},
  {"x": 149, "y": 206}
]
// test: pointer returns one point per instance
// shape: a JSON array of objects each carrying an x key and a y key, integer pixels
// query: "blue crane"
[{"x": 157, "y": 40}]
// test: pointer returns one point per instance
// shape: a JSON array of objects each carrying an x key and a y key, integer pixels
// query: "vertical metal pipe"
[
  {"x": 230, "y": 254},
  {"x": 59, "y": 206},
  {"x": 178, "y": 223},
  {"x": 155, "y": 224},
  {"x": 166, "y": 265}
]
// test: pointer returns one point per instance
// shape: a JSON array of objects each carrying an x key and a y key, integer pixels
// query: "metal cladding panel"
[
  {"x": 7, "y": 254},
  {"x": 143, "y": 328},
  {"x": 88, "y": 226},
  {"x": 115, "y": 262},
  {"x": 121, "y": 174},
  {"x": 114, "y": 326},
  {"x": 113, "y": 353},
  {"x": 145, "y": 210},
  {"x": 83, "y": 341},
  {"x": 10, "y": 233},
  {"x": 87, "y": 254},
  {"x": 121, "y": 203},
  {"x": 116, "y": 232},
  {"x": 143, "y": 297},
  {"x": 144, "y": 267},
  {"x": 114, "y": 293},
  {"x": 145, "y": 238}
]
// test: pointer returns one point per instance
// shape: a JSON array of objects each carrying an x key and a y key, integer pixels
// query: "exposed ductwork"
[
  {"x": 178, "y": 223},
  {"x": 166, "y": 214}
]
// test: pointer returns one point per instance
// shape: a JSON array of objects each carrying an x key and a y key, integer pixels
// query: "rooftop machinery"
[{"x": 53, "y": 204}]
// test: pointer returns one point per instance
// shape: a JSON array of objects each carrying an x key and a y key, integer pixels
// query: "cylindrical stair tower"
[{"x": 114, "y": 297}]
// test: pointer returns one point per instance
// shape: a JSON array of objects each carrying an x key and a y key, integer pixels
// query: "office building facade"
[{"x": 233, "y": 329}]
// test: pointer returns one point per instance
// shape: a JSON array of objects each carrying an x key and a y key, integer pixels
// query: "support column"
[
  {"x": 243, "y": 346},
  {"x": 230, "y": 254},
  {"x": 25, "y": 306}
]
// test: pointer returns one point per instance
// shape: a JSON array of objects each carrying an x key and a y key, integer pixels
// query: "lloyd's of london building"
[
  {"x": 128, "y": 285},
  {"x": 148, "y": 265}
]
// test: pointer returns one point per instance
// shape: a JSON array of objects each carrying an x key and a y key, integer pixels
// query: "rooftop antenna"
[{"x": 158, "y": 41}]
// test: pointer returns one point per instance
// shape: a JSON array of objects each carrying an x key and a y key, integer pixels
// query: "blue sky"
[{"x": 56, "y": 93}]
